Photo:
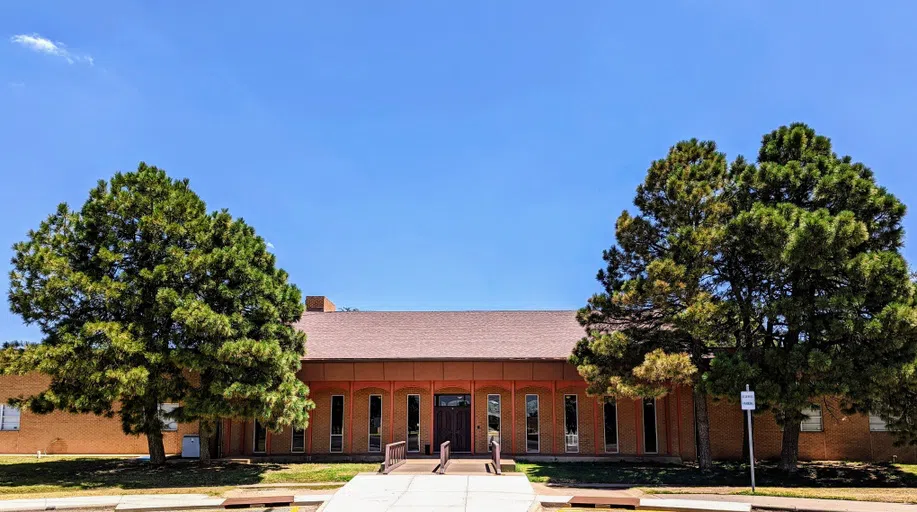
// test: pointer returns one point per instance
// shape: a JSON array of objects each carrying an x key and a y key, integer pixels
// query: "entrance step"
[{"x": 480, "y": 466}]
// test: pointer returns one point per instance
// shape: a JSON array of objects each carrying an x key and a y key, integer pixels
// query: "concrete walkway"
[
  {"x": 454, "y": 493},
  {"x": 130, "y": 501},
  {"x": 440, "y": 493},
  {"x": 138, "y": 502}
]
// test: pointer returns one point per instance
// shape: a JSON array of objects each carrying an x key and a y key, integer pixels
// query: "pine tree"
[
  {"x": 660, "y": 314},
  {"x": 93, "y": 281},
  {"x": 235, "y": 333},
  {"x": 814, "y": 275},
  {"x": 143, "y": 298}
]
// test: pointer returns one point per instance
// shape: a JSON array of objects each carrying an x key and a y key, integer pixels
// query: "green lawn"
[
  {"x": 811, "y": 474},
  {"x": 829, "y": 480},
  {"x": 52, "y": 475}
]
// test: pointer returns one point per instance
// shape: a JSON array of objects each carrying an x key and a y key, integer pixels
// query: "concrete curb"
[{"x": 138, "y": 502}]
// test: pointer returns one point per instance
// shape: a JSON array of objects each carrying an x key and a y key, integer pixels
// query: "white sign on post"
[
  {"x": 748, "y": 405},
  {"x": 748, "y": 400}
]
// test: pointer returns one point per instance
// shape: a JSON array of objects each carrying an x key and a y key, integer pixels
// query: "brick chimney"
[{"x": 319, "y": 303}]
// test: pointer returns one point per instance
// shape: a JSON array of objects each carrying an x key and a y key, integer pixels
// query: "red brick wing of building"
[{"x": 469, "y": 377}]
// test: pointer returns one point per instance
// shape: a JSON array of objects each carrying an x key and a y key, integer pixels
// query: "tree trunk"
[
  {"x": 206, "y": 430},
  {"x": 702, "y": 422},
  {"x": 157, "y": 450},
  {"x": 789, "y": 453}
]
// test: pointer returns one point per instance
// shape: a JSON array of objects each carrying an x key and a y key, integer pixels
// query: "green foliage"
[
  {"x": 92, "y": 280},
  {"x": 143, "y": 298},
  {"x": 657, "y": 316},
  {"x": 819, "y": 292},
  {"x": 794, "y": 263},
  {"x": 234, "y": 330}
]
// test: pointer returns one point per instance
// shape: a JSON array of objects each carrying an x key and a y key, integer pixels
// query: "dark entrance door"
[{"x": 452, "y": 421}]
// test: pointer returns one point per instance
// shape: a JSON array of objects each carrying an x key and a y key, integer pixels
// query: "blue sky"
[{"x": 433, "y": 155}]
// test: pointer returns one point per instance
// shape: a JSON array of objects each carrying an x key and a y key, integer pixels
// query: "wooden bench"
[
  {"x": 604, "y": 501},
  {"x": 265, "y": 501}
]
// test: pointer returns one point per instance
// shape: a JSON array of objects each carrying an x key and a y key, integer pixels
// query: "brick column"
[
  {"x": 391, "y": 416},
  {"x": 554, "y": 417},
  {"x": 595, "y": 423},
  {"x": 638, "y": 412},
  {"x": 473, "y": 433},
  {"x": 350, "y": 418},
  {"x": 513, "y": 412},
  {"x": 678, "y": 415}
]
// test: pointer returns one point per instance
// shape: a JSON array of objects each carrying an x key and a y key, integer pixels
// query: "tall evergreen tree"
[
  {"x": 660, "y": 313},
  {"x": 813, "y": 272},
  {"x": 144, "y": 299},
  {"x": 93, "y": 281},
  {"x": 234, "y": 333}
]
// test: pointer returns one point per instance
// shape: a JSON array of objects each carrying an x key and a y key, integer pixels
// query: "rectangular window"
[
  {"x": 260, "y": 438},
  {"x": 375, "y": 423},
  {"x": 337, "y": 424},
  {"x": 453, "y": 400},
  {"x": 877, "y": 424},
  {"x": 812, "y": 420},
  {"x": 649, "y": 426},
  {"x": 611, "y": 424},
  {"x": 493, "y": 419},
  {"x": 298, "y": 444},
  {"x": 571, "y": 419},
  {"x": 413, "y": 423},
  {"x": 168, "y": 423},
  {"x": 532, "y": 441},
  {"x": 9, "y": 417}
]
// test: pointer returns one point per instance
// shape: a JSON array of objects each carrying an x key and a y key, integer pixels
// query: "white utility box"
[{"x": 191, "y": 447}]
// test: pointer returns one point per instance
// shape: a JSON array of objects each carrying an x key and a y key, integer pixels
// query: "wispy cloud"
[
  {"x": 270, "y": 245},
  {"x": 40, "y": 44}
]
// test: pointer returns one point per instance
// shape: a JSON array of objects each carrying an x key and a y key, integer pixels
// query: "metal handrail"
[
  {"x": 495, "y": 456},
  {"x": 394, "y": 456},
  {"x": 445, "y": 451}
]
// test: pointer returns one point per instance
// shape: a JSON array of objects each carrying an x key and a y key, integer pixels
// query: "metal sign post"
[{"x": 748, "y": 405}]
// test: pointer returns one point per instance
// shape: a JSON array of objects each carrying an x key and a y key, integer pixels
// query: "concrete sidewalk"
[
  {"x": 137, "y": 502},
  {"x": 111, "y": 502},
  {"x": 801, "y": 504}
]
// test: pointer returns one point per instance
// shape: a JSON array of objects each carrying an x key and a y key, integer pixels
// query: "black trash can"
[{"x": 426, "y": 449}]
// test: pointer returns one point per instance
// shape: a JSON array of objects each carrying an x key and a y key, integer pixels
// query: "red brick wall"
[
  {"x": 401, "y": 415},
  {"x": 843, "y": 437},
  {"x": 585, "y": 419},
  {"x": 61, "y": 432},
  {"x": 545, "y": 420},
  {"x": 480, "y": 417}
]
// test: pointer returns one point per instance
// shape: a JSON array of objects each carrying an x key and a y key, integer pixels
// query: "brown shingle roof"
[{"x": 465, "y": 335}]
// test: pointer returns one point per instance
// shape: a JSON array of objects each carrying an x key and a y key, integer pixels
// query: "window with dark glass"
[
  {"x": 453, "y": 400},
  {"x": 649, "y": 426},
  {"x": 493, "y": 419},
  {"x": 413, "y": 444},
  {"x": 299, "y": 440},
  {"x": 611, "y": 424},
  {"x": 337, "y": 423},
  {"x": 571, "y": 432},
  {"x": 532, "y": 442},
  {"x": 260, "y": 438},
  {"x": 375, "y": 423}
]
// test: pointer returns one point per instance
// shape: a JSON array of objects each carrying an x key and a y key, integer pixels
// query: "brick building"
[{"x": 467, "y": 377}]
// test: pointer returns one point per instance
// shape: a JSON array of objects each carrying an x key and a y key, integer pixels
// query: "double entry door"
[{"x": 452, "y": 422}]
